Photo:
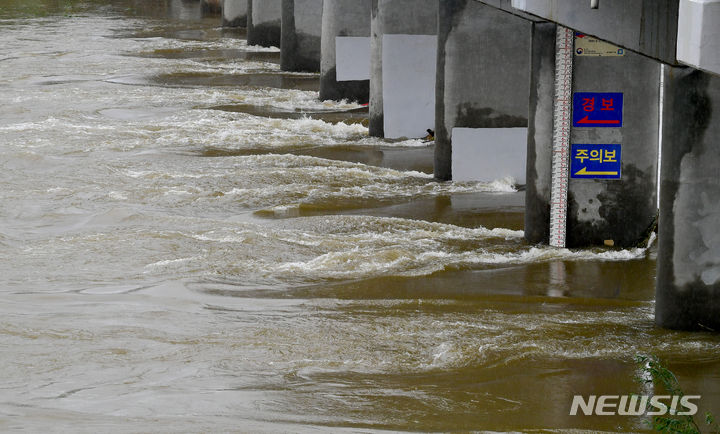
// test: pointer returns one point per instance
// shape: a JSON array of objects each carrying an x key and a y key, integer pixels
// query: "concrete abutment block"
[
  {"x": 234, "y": 13},
  {"x": 264, "y": 19},
  {"x": 301, "y": 32},
  {"x": 345, "y": 49}
]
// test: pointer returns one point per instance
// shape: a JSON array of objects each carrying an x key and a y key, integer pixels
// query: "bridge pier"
[
  {"x": 688, "y": 275},
  {"x": 483, "y": 76},
  {"x": 540, "y": 134},
  {"x": 670, "y": 31},
  {"x": 185, "y": 10},
  {"x": 234, "y": 13},
  {"x": 264, "y": 19},
  {"x": 301, "y": 32},
  {"x": 210, "y": 7},
  {"x": 614, "y": 206},
  {"x": 403, "y": 67},
  {"x": 345, "y": 49},
  {"x": 620, "y": 209}
]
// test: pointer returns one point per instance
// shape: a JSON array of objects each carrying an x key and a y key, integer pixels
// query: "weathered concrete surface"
[
  {"x": 483, "y": 73},
  {"x": 210, "y": 7},
  {"x": 644, "y": 26},
  {"x": 540, "y": 134},
  {"x": 183, "y": 10},
  {"x": 688, "y": 266},
  {"x": 394, "y": 17},
  {"x": 301, "y": 32},
  {"x": 234, "y": 13},
  {"x": 598, "y": 209},
  {"x": 264, "y": 18},
  {"x": 619, "y": 210},
  {"x": 342, "y": 18}
]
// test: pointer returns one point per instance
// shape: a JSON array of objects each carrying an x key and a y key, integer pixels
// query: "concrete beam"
[
  {"x": 234, "y": 13},
  {"x": 345, "y": 49},
  {"x": 506, "y": 5},
  {"x": 263, "y": 22},
  {"x": 648, "y": 27},
  {"x": 483, "y": 76},
  {"x": 699, "y": 34},
  {"x": 409, "y": 65},
  {"x": 301, "y": 32},
  {"x": 688, "y": 265}
]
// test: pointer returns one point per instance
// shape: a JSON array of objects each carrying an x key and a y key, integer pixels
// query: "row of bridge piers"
[{"x": 636, "y": 101}]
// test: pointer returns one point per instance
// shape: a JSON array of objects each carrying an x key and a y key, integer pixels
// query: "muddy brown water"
[{"x": 191, "y": 241}]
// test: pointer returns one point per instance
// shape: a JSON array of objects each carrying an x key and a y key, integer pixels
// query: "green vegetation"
[{"x": 665, "y": 382}]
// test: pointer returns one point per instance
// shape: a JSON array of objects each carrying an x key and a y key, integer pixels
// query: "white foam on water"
[
  {"x": 318, "y": 129},
  {"x": 334, "y": 247},
  {"x": 408, "y": 143},
  {"x": 361, "y": 247},
  {"x": 146, "y": 43},
  {"x": 282, "y": 182},
  {"x": 410, "y": 260},
  {"x": 116, "y": 195},
  {"x": 258, "y": 48},
  {"x": 238, "y": 67},
  {"x": 167, "y": 262},
  {"x": 505, "y": 185},
  {"x": 288, "y": 99}
]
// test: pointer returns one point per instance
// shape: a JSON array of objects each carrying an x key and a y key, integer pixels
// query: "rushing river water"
[{"x": 191, "y": 241}]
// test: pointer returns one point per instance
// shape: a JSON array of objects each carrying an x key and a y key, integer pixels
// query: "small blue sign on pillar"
[
  {"x": 597, "y": 109},
  {"x": 596, "y": 161}
]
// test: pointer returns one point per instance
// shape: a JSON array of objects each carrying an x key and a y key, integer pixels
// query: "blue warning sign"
[
  {"x": 597, "y": 109},
  {"x": 595, "y": 161}
]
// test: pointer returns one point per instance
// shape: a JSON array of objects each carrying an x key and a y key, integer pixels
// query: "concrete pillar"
[
  {"x": 540, "y": 133},
  {"x": 263, "y": 22},
  {"x": 618, "y": 209},
  {"x": 345, "y": 64},
  {"x": 234, "y": 13},
  {"x": 301, "y": 31},
  {"x": 183, "y": 10},
  {"x": 600, "y": 207},
  {"x": 688, "y": 265},
  {"x": 409, "y": 29},
  {"x": 483, "y": 76},
  {"x": 210, "y": 7}
]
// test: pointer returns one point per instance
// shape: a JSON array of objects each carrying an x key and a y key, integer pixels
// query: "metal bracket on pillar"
[{"x": 561, "y": 136}]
